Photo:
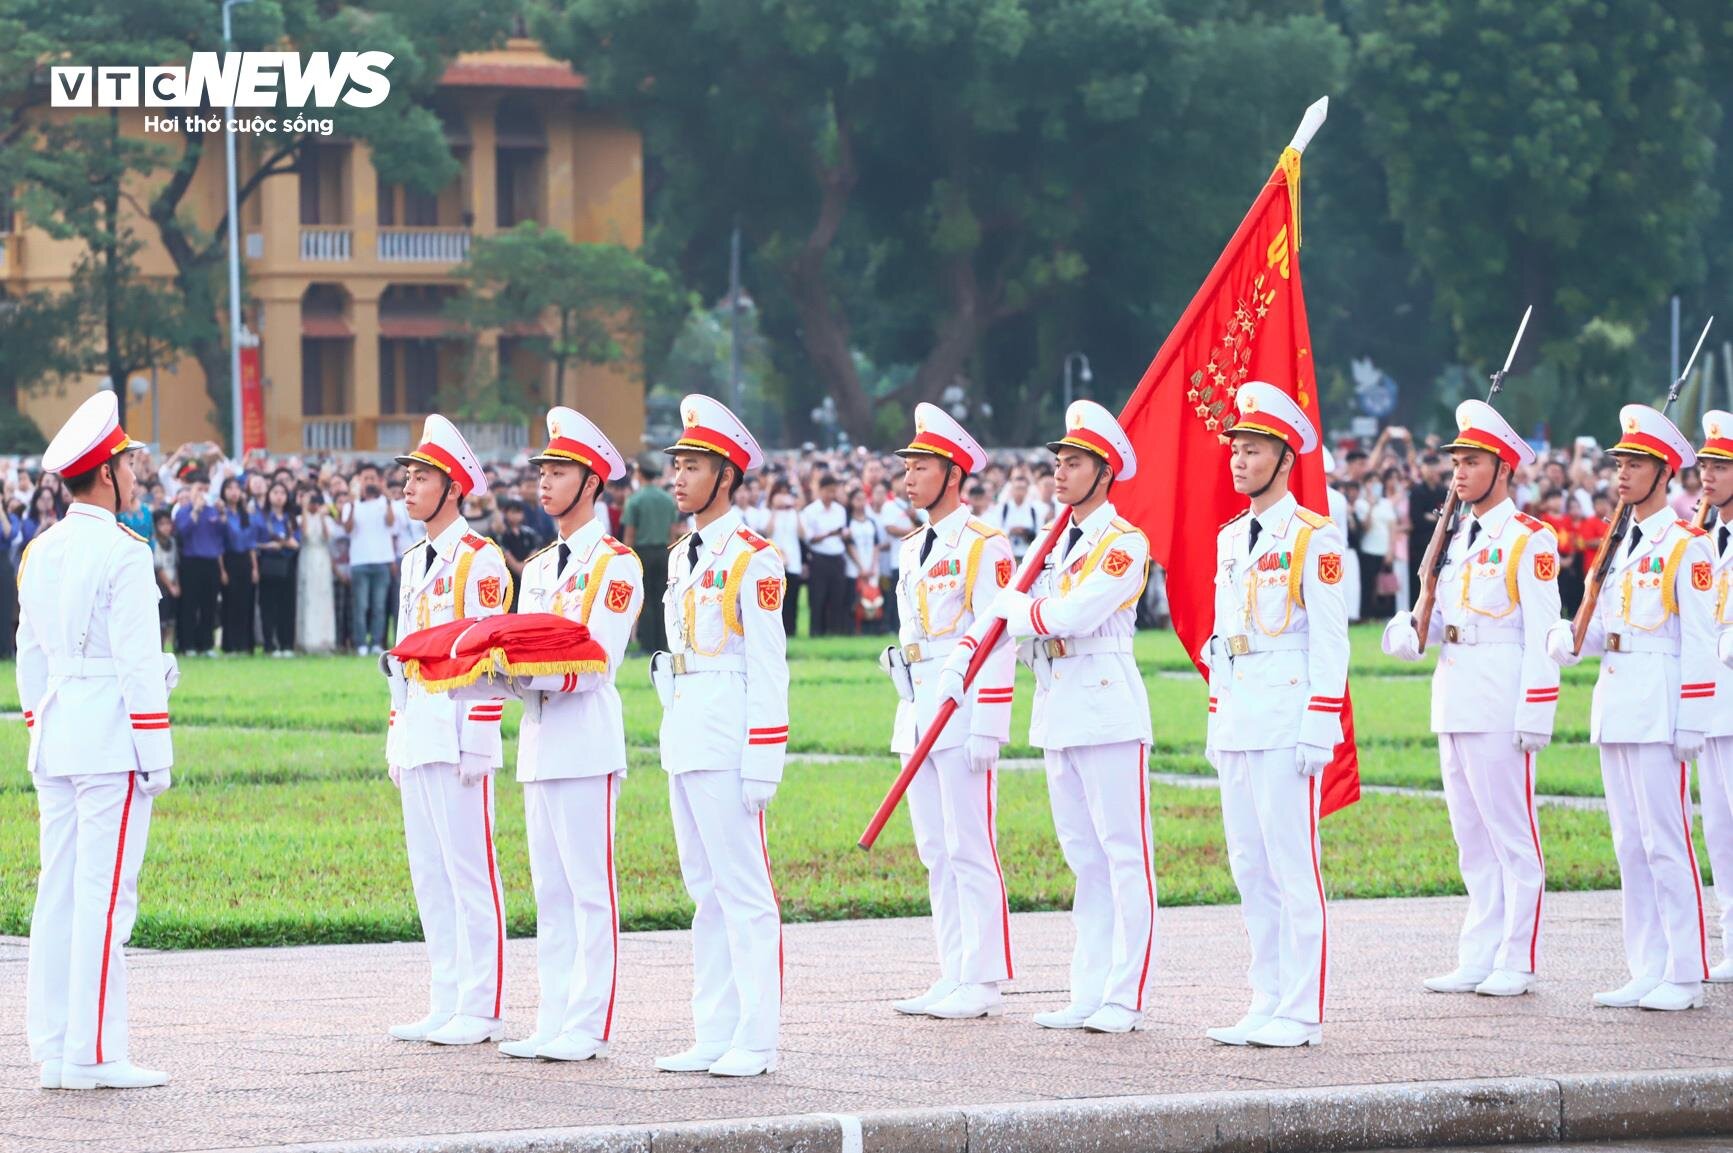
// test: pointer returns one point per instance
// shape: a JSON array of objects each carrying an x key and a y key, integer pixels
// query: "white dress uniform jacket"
[
  {"x": 468, "y": 578},
  {"x": 573, "y": 724},
  {"x": 724, "y": 618},
  {"x": 937, "y": 600},
  {"x": 1277, "y": 678},
  {"x": 1654, "y": 629},
  {"x": 90, "y": 664},
  {"x": 1496, "y": 600},
  {"x": 1081, "y": 619}
]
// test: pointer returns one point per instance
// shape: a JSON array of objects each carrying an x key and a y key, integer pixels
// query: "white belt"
[
  {"x": 1245, "y": 644},
  {"x": 1061, "y": 648},
  {"x": 1483, "y": 634},
  {"x": 75, "y": 668},
  {"x": 685, "y": 664},
  {"x": 1642, "y": 643},
  {"x": 920, "y": 652}
]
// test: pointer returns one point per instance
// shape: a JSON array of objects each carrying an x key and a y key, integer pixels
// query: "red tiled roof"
[{"x": 463, "y": 74}]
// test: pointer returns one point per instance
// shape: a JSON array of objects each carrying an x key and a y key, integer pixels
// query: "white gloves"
[
  {"x": 395, "y": 772},
  {"x": 1009, "y": 603},
  {"x": 1532, "y": 742},
  {"x": 1401, "y": 638},
  {"x": 1561, "y": 645},
  {"x": 154, "y": 783},
  {"x": 1724, "y": 647},
  {"x": 1687, "y": 745},
  {"x": 951, "y": 673},
  {"x": 1311, "y": 759},
  {"x": 983, "y": 753},
  {"x": 755, "y": 795},
  {"x": 171, "y": 672},
  {"x": 472, "y": 769}
]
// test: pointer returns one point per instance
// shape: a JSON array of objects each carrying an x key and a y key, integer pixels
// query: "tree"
[
  {"x": 599, "y": 296},
  {"x": 406, "y": 136},
  {"x": 919, "y": 178},
  {"x": 1555, "y": 153}
]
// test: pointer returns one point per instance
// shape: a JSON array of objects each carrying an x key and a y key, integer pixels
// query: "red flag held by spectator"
[{"x": 1247, "y": 322}]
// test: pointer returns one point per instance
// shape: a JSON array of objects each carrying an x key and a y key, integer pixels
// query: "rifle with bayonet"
[
  {"x": 1621, "y": 524},
  {"x": 1450, "y": 516}
]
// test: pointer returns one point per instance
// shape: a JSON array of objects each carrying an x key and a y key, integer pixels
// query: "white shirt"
[
  {"x": 371, "y": 540},
  {"x": 863, "y": 540},
  {"x": 784, "y": 533},
  {"x": 895, "y": 521},
  {"x": 820, "y": 519},
  {"x": 1020, "y": 522}
]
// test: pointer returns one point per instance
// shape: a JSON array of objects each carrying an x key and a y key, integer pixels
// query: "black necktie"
[
  {"x": 565, "y": 555},
  {"x": 1636, "y": 539},
  {"x": 1473, "y": 531},
  {"x": 1252, "y": 540},
  {"x": 927, "y": 545},
  {"x": 1071, "y": 540},
  {"x": 692, "y": 552},
  {"x": 1721, "y": 549},
  {"x": 432, "y": 556}
]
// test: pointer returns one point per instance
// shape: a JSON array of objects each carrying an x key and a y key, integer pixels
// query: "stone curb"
[{"x": 1494, "y": 1111}]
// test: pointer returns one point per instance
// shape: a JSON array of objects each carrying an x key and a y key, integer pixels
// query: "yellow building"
[{"x": 345, "y": 276}]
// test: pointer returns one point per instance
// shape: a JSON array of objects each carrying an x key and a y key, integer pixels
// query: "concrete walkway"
[{"x": 281, "y": 1046}]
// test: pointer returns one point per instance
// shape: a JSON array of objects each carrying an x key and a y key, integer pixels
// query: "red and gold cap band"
[
  {"x": 1718, "y": 448},
  {"x": 579, "y": 452},
  {"x": 1485, "y": 442},
  {"x": 1267, "y": 425},
  {"x": 1097, "y": 444},
  {"x": 701, "y": 439},
  {"x": 939, "y": 446},
  {"x": 107, "y": 448},
  {"x": 432, "y": 454},
  {"x": 1644, "y": 444}
]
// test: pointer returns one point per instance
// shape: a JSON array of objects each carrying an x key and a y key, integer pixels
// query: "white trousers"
[
  {"x": 1649, "y": 803},
  {"x": 736, "y": 922},
  {"x": 1270, "y": 814},
  {"x": 1489, "y": 790},
  {"x": 1715, "y": 786},
  {"x": 448, "y": 830},
  {"x": 93, "y": 833},
  {"x": 953, "y": 812},
  {"x": 570, "y": 825},
  {"x": 1100, "y": 800}
]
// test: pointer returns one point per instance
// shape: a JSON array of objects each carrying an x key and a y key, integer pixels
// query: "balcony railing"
[
  {"x": 424, "y": 245},
  {"x": 398, "y": 434},
  {"x": 327, "y": 434},
  {"x": 325, "y": 244}
]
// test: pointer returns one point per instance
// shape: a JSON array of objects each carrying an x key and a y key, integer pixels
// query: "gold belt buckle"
[
  {"x": 1615, "y": 642},
  {"x": 1240, "y": 645},
  {"x": 1054, "y": 647},
  {"x": 912, "y": 653},
  {"x": 679, "y": 664},
  {"x": 1452, "y": 635}
]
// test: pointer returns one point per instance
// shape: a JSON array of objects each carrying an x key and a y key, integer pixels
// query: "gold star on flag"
[
  {"x": 1192, "y": 396},
  {"x": 1203, "y": 410},
  {"x": 1211, "y": 423}
]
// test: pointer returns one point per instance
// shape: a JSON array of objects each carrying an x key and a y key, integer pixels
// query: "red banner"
[
  {"x": 1247, "y": 322},
  {"x": 252, "y": 400}
]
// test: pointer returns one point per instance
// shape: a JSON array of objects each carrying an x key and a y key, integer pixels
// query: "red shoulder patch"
[
  {"x": 1533, "y": 524},
  {"x": 1117, "y": 562},
  {"x": 757, "y": 542},
  {"x": 619, "y": 596},
  {"x": 1243, "y": 513},
  {"x": 1693, "y": 529},
  {"x": 474, "y": 540},
  {"x": 489, "y": 592},
  {"x": 619, "y": 548},
  {"x": 1702, "y": 576}
]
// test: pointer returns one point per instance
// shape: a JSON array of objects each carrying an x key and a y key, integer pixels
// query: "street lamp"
[
  {"x": 234, "y": 251},
  {"x": 1083, "y": 374}
]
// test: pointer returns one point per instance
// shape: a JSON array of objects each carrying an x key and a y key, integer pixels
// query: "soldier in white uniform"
[
  {"x": 571, "y": 754},
  {"x": 1091, "y": 716},
  {"x": 1278, "y": 665},
  {"x": 1494, "y": 693},
  {"x": 1654, "y": 701},
  {"x": 724, "y": 693},
  {"x": 442, "y": 752},
  {"x": 1715, "y": 766},
  {"x": 949, "y": 568},
  {"x": 93, "y": 682}
]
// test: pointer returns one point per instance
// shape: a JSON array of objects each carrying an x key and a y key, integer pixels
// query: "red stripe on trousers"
[
  {"x": 764, "y": 843},
  {"x": 613, "y": 911},
  {"x": 1004, "y": 895},
  {"x": 493, "y": 888},
  {"x": 1323, "y": 908},
  {"x": 1534, "y": 832},
  {"x": 1691, "y": 855},
  {"x": 113, "y": 899},
  {"x": 1148, "y": 870}
]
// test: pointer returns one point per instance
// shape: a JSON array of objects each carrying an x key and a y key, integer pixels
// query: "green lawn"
[{"x": 282, "y": 827}]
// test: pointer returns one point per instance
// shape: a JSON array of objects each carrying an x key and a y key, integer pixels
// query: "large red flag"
[{"x": 1247, "y": 322}]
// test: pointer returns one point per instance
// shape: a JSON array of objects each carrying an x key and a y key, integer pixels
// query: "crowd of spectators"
[{"x": 299, "y": 555}]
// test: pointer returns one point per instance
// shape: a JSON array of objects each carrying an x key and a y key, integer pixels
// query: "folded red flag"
[{"x": 458, "y": 654}]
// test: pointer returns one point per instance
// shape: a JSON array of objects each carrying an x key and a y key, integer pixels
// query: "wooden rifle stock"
[
  {"x": 1432, "y": 564},
  {"x": 1598, "y": 575}
]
